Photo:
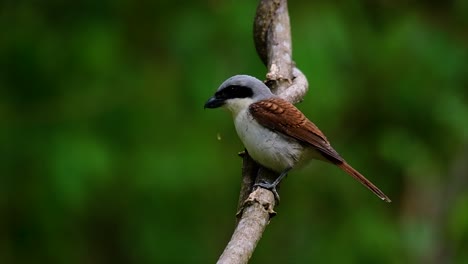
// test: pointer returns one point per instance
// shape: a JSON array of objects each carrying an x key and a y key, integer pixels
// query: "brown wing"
[{"x": 280, "y": 115}]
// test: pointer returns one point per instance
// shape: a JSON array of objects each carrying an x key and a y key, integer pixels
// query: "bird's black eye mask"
[{"x": 234, "y": 91}]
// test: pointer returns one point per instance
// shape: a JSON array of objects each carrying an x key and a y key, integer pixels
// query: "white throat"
[{"x": 238, "y": 105}]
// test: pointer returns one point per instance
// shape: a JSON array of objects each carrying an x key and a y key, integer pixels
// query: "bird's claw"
[{"x": 271, "y": 187}]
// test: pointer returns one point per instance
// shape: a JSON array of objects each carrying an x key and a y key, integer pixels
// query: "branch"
[
  {"x": 257, "y": 211},
  {"x": 272, "y": 36}
]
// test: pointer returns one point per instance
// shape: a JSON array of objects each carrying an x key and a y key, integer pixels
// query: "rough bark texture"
[
  {"x": 257, "y": 211},
  {"x": 249, "y": 174},
  {"x": 272, "y": 38}
]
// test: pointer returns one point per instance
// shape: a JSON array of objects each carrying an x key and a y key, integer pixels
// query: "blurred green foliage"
[{"x": 108, "y": 157}]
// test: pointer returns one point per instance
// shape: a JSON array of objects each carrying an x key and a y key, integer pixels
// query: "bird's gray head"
[{"x": 238, "y": 92}]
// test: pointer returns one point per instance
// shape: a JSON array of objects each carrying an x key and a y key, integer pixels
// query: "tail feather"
[{"x": 358, "y": 176}]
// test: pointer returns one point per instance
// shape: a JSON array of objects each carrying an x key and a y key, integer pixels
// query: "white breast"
[{"x": 270, "y": 149}]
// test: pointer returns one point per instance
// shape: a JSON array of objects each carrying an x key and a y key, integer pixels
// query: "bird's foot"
[{"x": 271, "y": 187}]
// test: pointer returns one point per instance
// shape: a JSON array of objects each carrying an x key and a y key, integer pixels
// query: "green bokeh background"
[{"x": 107, "y": 156}]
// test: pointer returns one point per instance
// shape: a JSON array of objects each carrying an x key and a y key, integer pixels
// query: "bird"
[{"x": 275, "y": 133}]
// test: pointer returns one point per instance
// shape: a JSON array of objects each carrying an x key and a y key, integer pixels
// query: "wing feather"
[{"x": 279, "y": 115}]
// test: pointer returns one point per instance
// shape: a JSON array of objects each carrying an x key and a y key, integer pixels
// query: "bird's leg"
[{"x": 272, "y": 186}]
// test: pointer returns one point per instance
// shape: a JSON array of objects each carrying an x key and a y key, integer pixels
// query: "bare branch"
[
  {"x": 296, "y": 90},
  {"x": 258, "y": 209},
  {"x": 272, "y": 36},
  {"x": 249, "y": 172}
]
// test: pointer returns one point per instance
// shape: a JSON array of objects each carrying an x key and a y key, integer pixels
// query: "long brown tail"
[{"x": 358, "y": 176}]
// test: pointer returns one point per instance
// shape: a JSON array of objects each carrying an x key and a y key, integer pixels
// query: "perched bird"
[{"x": 275, "y": 133}]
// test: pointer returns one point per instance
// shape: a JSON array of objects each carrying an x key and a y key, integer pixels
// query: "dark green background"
[{"x": 107, "y": 156}]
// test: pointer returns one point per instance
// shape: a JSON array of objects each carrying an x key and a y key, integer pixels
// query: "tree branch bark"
[{"x": 272, "y": 37}]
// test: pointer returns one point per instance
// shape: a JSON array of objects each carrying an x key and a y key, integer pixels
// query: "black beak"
[{"x": 214, "y": 102}]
